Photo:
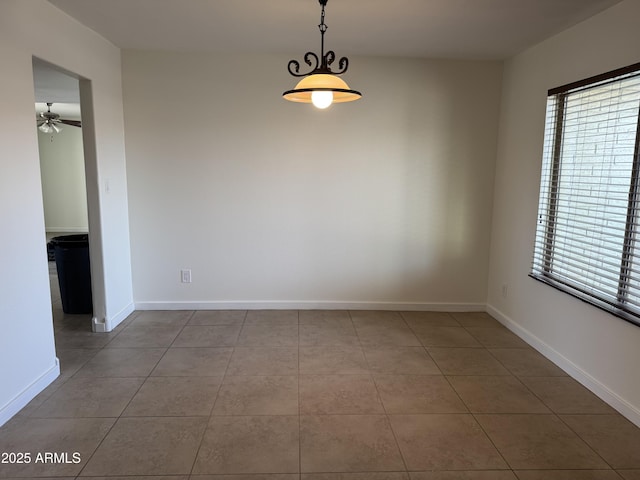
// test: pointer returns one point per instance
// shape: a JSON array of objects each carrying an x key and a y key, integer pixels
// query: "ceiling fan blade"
[{"x": 73, "y": 123}]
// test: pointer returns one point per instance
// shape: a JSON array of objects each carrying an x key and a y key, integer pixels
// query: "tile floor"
[{"x": 315, "y": 395}]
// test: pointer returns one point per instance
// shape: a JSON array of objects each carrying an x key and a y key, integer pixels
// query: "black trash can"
[{"x": 74, "y": 274}]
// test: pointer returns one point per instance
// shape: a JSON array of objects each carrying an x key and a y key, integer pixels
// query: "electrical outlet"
[{"x": 185, "y": 276}]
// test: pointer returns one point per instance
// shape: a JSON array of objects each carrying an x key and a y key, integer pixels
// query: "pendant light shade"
[{"x": 321, "y": 86}]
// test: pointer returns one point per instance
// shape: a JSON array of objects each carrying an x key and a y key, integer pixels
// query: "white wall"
[
  {"x": 27, "y": 28},
  {"x": 64, "y": 189},
  {"x": 597, "y": 348},
  {"x": 385, "y": 202}
]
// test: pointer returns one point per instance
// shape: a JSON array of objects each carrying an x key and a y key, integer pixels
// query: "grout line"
[
  {"x": 583, "y": 440},
  {"x": 387, "y": 417},
  {"x": 475, "y": 419},
  {"x": 213, "y": 406}
]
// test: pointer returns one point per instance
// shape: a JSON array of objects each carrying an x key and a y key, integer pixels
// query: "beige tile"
[
  {"x": 174, "y": 396},
  {"x": 476, "y": 319},
  {"x": 332, "y": 360},
  {"x": 630, "y": 474},
  {"x": 264, "y": 361},
  {"x": 417, "y": 320},
  {"x": 90, "y": 397},
  {"x": 348, "y": 443},
  {"x": 501, "y": 394},
  {"x": 493, "y": 337},
  {"x": 145, "y": 477},
  {"x": 444, "y": 442},
  {"x": 122, "y": 362},
  {"x": 39, "y": 435},
  {"x": 567, "y": 475},
  {"x": 356, "y": 476},
  {"x": 148, "y": 446},
  {"x": 400, "y": 360},
  {"x": 466, "y": 361},
  {"x": 539, "y": 442},
  {"x": 268, "y": 476},
  {"x": 385, "y": 332},
  {"x": 126, "y": 322},
  {"x": 526, "y": 363},
  {"x": 218, "y": 317},
  {"x": 72, "y": 323},
  {"x": 409, "y": 394},
  {"x": 328, "y": 332},
  {"x": 173, "y": 318},
  {"x": 193, "y": 362},
  {"x": 274, "y": 335},
  {"x": 145, "y": 337},
  {"x": 72, "y": 360},
  {"x": 271, "y": 317},
  {"x": 565, "y": 395},
  {"x": 462, "y": 475},
  {"x": 446, "y": 337},
  {"x": 249, "y": 444},
  {"x": 42, "y": 478},
  {"x": 314, "y": 317},
  {"x": 338, "y": 394},
  {"x": 613, "y": 437},
  {"x": 265, "y": 395},
  {"x": 13, "y": 425},
  {"x": 208, "y": 336},
  {"x": 374, "y": 316},
  {"x": 82, "y": 339}
]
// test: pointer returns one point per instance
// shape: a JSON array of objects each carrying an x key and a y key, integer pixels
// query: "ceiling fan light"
[{"x": 49, "y": 122}]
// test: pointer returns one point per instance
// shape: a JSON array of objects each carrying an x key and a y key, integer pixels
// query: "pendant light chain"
[{"x": 323, "y": 28}]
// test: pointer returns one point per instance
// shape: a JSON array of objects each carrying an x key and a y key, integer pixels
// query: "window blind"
[{"x": 589, "y": 206}]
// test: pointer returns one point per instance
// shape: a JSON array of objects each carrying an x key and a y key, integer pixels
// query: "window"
[{"x": 589, "y": 208}]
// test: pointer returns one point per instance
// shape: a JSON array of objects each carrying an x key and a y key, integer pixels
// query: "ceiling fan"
[{"x": 48, "y": 122}]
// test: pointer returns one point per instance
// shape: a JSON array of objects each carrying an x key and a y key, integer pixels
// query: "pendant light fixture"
[{"x": 321, "y": 86}]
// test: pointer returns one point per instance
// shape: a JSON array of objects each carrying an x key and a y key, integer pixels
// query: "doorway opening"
[{"x": 64, "y": 193}]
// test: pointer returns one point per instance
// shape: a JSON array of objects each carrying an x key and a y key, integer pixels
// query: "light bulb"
[
  {"x": 321, "y": 98},
  {"x": 45, "y": 128}
]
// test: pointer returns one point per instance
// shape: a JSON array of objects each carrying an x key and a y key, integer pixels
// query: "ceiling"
[
  {"x": 471, "y": 29},
  {"x": 69, "y": 111},
  {"x": 52, "y": 85}
]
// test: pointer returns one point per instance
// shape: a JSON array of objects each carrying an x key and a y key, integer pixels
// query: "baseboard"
[
  {"x": 312, "y": 305},
  {"x": 23, "y": 398},
  {"x": 106, "y": 325},
  {"x": 626, "y": 409},
  {"x": 67, "y": 229}
]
